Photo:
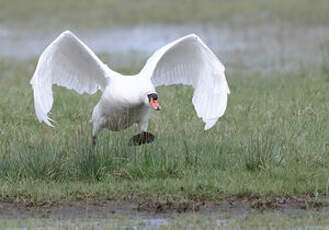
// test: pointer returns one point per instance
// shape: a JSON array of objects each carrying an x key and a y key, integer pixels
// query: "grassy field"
[{"x": 272, "y": 141}]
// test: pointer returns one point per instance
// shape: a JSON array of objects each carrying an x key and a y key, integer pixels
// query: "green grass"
[
  {"x": 105, "y": 13},
  {"x": 272, "y": 140}
]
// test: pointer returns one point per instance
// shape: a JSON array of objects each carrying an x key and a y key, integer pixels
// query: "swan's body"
[
  {"x": 129, "y": 99},
  {"x": 122, "y": 104}
]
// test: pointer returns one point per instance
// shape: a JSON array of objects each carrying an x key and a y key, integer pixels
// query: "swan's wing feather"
[
  {"x": 189, "y": 61},
  {"x": 67, "y": 62}
]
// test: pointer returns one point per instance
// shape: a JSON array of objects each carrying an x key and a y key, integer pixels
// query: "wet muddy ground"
[
  {"x": 230, "y": 213},
  {"x": 105, "y": 208}
]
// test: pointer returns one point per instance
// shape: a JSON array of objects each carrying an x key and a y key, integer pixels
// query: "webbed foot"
[{"x": 141, "y": 138}]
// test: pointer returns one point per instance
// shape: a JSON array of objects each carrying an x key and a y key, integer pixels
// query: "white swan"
[{"x": 126, "y": 100}]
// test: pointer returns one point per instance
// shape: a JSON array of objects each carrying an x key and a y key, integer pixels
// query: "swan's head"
[{"x": 152, "y": 100}]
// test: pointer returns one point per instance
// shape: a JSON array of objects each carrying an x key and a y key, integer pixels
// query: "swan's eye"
[{"x": 153, "y": 95}]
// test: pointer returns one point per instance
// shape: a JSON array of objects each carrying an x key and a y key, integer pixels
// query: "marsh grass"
[
  {"x": 260, "y": 152},
  {"x": 273, "y": 140}
]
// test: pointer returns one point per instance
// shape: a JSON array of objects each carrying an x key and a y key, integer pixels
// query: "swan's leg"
[
  {"x": 143, "y": 125},
  {"x": 97, "y": 127},
  {"x": 98, "y": 122},
  {"x": 96, "y": 130},
  {"x": 144, "y": 121}
]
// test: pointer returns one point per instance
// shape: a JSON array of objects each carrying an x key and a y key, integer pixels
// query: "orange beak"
[{"x": 155, "y": 104}]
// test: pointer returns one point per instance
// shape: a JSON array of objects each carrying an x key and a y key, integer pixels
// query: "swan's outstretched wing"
[
  {"x": 67, "y": 62},
  {"x": 189, "y": 61}
]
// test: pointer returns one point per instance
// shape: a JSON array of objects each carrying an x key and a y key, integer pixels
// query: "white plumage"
[{"x": 68, "y": 62}]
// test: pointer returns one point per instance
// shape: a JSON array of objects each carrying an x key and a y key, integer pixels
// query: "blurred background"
[{"x": 249, "y": 36}]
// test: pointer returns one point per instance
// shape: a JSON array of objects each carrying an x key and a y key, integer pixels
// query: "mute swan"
[{"x": 126, "y": 100}]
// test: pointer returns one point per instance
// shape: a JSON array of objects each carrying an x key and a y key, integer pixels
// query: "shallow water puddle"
[
  {"x": 269, "y": 220},
  {"x": 125, "y": 216}
]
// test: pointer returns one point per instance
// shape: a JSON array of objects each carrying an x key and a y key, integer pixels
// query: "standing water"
[
  {"x": 110, "y": 215},
  {"x": 263, "y": 48}
]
